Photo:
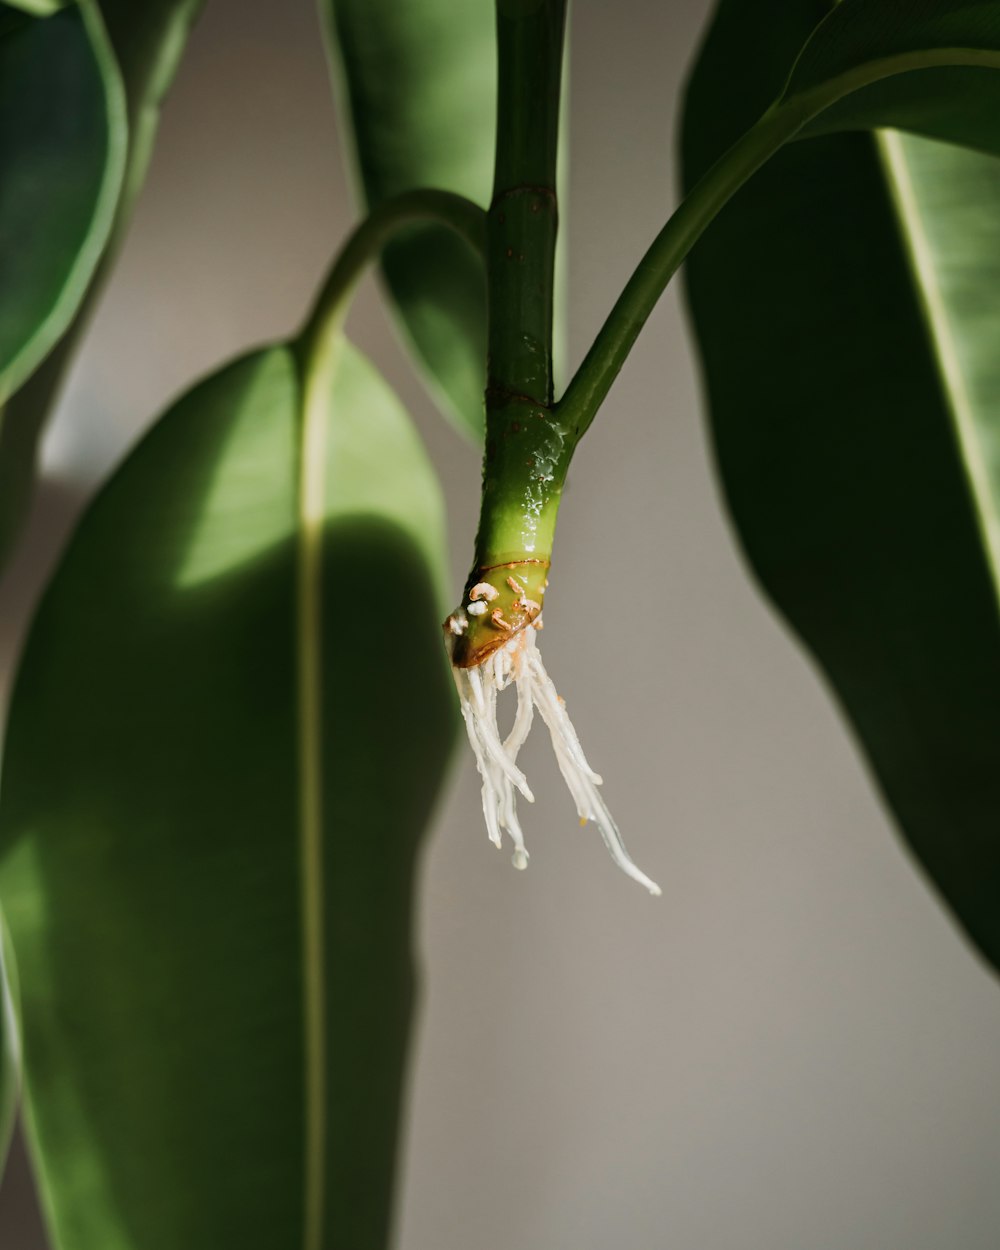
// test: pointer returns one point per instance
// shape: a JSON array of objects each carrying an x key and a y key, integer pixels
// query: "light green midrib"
[
  {"x": 311, "y": 517},
  {"x": 943, "y": 341},
  {"x": 316, "y": 352}
]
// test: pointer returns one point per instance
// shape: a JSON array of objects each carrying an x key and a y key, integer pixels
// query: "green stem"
[
  {"x": 527, "y": 449},
  {"x": 524, "y": 440},
  {"x": 363, "y": 246},
  {"x": 592, "y": 381}
]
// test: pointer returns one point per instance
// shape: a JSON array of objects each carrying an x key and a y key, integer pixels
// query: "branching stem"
[
  {"x": 526, "y": 452},
  {"x": 592, "y": 381}
]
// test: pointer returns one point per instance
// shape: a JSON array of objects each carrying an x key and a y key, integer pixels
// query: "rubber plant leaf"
[
  {"x": 146, "y": 41},
  {"x": 846, "y": 310},
  {"x": 418, "y": 89},
  {"x": 227, "y": 734}
]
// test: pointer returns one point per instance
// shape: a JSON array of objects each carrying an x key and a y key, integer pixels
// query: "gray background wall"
[{"x": 791, "y": 1049}]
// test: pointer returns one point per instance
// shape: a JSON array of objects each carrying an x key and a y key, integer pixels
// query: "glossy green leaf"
[
  {"x": 62, "y": 152},
  {"x": 10, "y": 1051},
  {"x": 227, "y": 734},
  {"x": 846, "y": 308},
  {"x": 147, "y": 40},
  {"x": 419, "y": 87}
]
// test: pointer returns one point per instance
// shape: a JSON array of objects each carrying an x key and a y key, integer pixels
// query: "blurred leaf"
[
  {"x": 147, "y": 39},
  {"x": 216, "y": 779},
  {"x": 846, "y": 310},
  {"x": 10, "y": 1054},
  {"x": 39, "y": 8},
  {"x": 419, "y": 83},
  {"x": 62, "y": 152}
]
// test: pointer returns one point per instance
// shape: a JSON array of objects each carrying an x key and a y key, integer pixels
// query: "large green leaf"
[
  {"x": 846, "y": 307},
  {"x": 147, "y": 40},
  {"x": 419, "y": 89},
  {"x": 62, "y": 152},
  {"x": 226, "y": 737},
  {"x": 10, "y": 1051}
]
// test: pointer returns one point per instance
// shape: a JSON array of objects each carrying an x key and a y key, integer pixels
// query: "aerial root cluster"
[{"x": 519, "y": 662}]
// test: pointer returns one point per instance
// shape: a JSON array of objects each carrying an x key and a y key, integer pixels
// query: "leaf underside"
[
  {"x": 846, "y": 314},
  {"x": 419, "y": 87}
]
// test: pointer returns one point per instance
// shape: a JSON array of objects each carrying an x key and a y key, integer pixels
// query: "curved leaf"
[
  {"x": 62, "y": 152},
  {"x": 845, "y": 303},
  {"x": 10, "y": 1051},
  {"x": 226, "y": 737},
  {"x": 419, "y": 84},
  {"x": 147, "y": 40}
]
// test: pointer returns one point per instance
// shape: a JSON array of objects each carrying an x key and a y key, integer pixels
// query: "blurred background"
[{"x": 793, "y": 1047}]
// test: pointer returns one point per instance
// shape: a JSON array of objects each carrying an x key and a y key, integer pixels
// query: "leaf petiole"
[
  {"x": 789, "y": 114},
  {"x": 329, "y": 311}
]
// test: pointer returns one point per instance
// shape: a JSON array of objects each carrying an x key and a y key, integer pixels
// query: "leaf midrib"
[
  {"x": 955, "y": 391},
  {"x": 311, "y": 515}
]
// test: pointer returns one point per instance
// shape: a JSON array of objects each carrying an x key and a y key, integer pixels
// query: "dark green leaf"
[
  {"x": 62, "y": 153},
  {"x": 147, "y": 40},
  {"x": 226, "y": 737},
  {"x": 846, "y": 308},
  {"x": 420, "y": 85}
]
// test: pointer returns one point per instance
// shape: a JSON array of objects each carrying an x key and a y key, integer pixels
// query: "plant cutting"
[{"x": 194, "y": 748}]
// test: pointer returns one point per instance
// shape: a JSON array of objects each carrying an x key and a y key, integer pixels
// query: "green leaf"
[
  {"x": 845, "y": 303},
  {"x": 39, "y": 8},
  {"x": 419, "y": 88},
  {"x": 227, "y": 734},
  {"x": 147, "y": 40},
  {"x": 10, "y": 1050},
  {"x": 62, "y": 152}
]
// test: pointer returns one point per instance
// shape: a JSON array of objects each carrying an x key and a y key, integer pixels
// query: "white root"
[{"x": 519, "y": 662}]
